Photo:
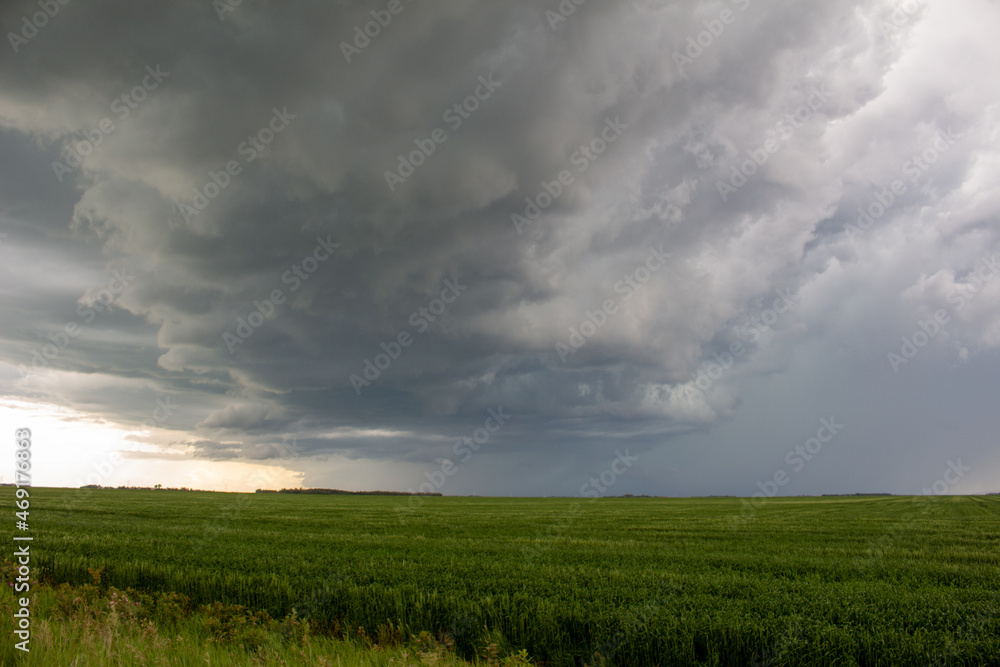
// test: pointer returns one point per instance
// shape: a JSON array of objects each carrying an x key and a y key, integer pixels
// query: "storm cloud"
[{"x": 689, "y": 230}]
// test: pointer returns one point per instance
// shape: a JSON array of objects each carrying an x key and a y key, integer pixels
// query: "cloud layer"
[{"x": 626, "y": 227}]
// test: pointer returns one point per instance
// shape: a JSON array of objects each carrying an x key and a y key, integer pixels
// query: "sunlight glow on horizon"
[{"x": 71, "y": 449}]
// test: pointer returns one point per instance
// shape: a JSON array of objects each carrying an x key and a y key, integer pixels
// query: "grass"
[
  {"x": 798, "y": 581},
  {"x": 91, "y": 624}
]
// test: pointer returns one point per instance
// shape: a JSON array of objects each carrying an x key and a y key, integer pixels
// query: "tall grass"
[
  {"x": 95, "y": 625},
  {"x": 801, "y": 581}
]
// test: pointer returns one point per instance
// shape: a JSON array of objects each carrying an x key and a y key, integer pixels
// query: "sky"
[{"x": 517, "y": 248}]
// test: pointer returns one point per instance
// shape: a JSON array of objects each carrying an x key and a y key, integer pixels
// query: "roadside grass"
[{"x": 92, "y": 624}]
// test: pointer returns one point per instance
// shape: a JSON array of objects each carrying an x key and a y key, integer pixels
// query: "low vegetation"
[
  {"x": 639, "y": 581},
  {"x": 93, "y": 624}
]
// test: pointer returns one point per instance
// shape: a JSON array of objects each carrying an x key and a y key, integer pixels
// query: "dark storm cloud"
[{"x": 728, "y": 145}]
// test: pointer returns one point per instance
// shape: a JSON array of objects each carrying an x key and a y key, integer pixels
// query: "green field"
[{"x": 642, "y": 581}]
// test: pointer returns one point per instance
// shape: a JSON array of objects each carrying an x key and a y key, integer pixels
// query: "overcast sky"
[{"x": 503, "y": 248}]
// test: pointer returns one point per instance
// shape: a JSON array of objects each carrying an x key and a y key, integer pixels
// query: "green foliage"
[
  {"x": 642, "y": 581},
  {"x": 233, "y": 624},
  {"x": 86, "y": 625}
]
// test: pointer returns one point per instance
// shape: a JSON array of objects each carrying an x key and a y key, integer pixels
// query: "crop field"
[{"x": 615, "y": 581}]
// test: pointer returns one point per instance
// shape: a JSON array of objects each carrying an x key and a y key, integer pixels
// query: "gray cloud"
[{"x": 835, "y": 101}]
